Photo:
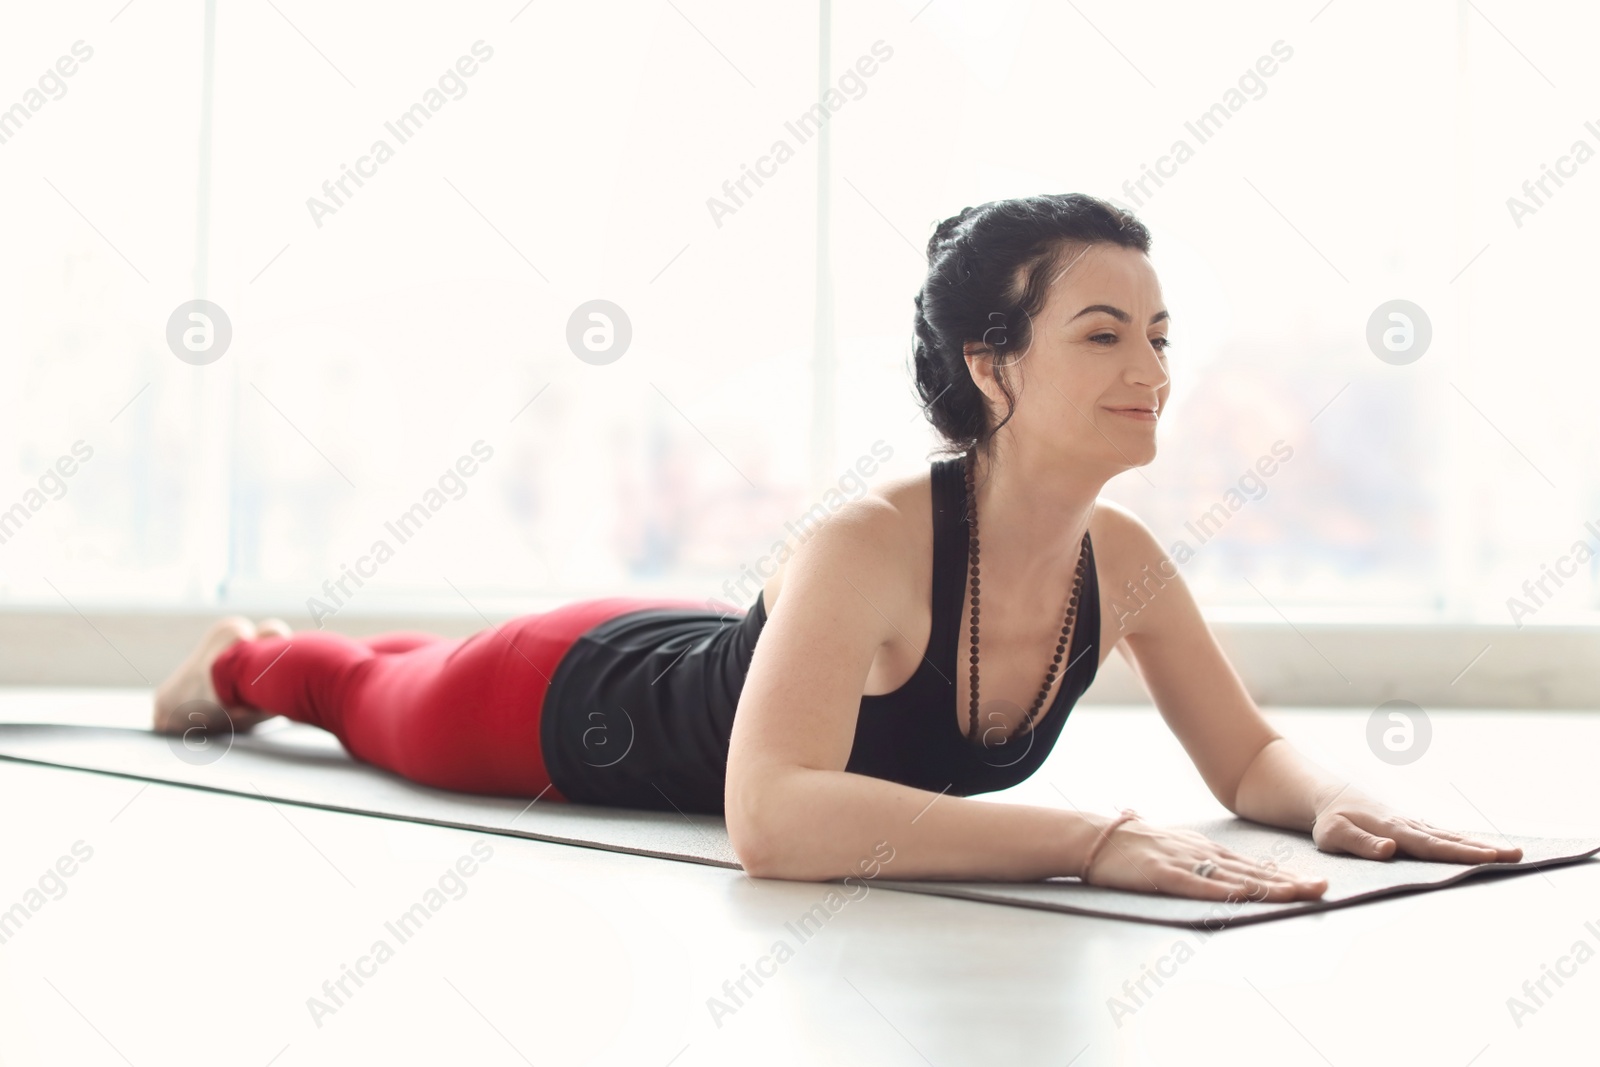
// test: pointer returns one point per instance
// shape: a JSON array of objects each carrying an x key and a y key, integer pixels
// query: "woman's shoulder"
[
  {"x": 1129, "y": 562},
  {"x": 886, "y": 533},
  {"x": 894, "y": 501},
  {"x": 1119, "y": 534},
  {"x": 1115, "y": 519}
]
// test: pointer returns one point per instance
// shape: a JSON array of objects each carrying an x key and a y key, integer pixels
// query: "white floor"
[{"x": 201, "y": 925}]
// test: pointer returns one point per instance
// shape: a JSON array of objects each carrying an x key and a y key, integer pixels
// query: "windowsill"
[
  {"x": 1343, "y": 663},
  {"x": 471, "y": 602}
]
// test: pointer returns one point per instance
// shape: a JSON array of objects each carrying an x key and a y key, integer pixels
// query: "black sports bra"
[{"x": 656, "y": 689}]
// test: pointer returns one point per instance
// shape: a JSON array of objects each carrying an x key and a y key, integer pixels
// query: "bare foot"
[
  {"x": 246, "y": 719},
  {"x": 189, "y": 687}
]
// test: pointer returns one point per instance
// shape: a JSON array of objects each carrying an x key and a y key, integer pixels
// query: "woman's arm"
[
  {"x": 792, "y": 810},
  {"x": 816, "y": 825},
  {"x": 1249, "y": 766},
  {"x": 1343, "y": 818}
]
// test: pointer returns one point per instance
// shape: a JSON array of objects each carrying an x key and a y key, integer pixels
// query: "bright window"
[{"x": 400, "y": 373}]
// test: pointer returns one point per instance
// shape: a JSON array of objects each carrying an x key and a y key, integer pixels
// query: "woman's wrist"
[
  {"x": 1103, "y": 827},
  {"x": 1281, "y": 787}
]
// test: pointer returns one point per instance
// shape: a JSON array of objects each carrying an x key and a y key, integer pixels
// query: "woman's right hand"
[{"x": 1154, "y": 859}]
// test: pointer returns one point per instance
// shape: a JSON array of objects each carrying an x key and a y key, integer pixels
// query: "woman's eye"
[{"x": 1161, "y": 344}]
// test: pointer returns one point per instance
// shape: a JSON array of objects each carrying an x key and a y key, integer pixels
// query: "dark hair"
[{"x": 972, "y": 294}]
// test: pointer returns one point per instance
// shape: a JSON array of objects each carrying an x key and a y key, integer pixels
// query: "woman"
[{"x": 1041, "y": 360}]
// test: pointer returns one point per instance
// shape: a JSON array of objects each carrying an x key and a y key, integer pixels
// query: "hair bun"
[{"x": 945, "y": 231}]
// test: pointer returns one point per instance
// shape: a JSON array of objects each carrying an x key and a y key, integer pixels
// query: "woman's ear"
[{"x": 980, "y": 364}]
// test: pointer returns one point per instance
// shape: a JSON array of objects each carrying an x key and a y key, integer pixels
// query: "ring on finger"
[{"x": 1204, "y": 868}]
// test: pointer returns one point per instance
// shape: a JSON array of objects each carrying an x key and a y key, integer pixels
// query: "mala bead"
[{"x": 1066, "y": 626}]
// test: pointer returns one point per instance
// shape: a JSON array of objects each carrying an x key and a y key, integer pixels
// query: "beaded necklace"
[{"x": 1066, "y": 627}]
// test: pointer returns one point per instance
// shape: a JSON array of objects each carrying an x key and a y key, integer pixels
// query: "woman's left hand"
[{"x": 1364, "y": 827}]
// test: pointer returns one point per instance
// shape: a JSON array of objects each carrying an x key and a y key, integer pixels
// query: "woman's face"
[{"x": 1093, "y": 380}]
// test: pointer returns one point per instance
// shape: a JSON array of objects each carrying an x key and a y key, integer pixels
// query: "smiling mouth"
[{"x": 1143, "y": 414}]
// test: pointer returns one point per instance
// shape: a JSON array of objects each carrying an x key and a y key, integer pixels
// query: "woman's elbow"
[
  {"x": 757, "y": 849},
  {"x": 755, "y": 855},
  {"x": 755, "y": 830},
  {"x": 751, "y": 840}
]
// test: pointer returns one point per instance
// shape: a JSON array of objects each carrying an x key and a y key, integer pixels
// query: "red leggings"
[{"x": 458, "y": 713}]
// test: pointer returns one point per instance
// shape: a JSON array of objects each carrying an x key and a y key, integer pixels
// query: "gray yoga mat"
[{"x": 297, "y": 764}]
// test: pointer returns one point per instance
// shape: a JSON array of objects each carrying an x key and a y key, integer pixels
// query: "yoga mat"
[{"x": 301, "y": 765}]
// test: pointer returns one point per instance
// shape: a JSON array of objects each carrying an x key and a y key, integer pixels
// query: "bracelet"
[{"x": 1105, "y": 835}]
